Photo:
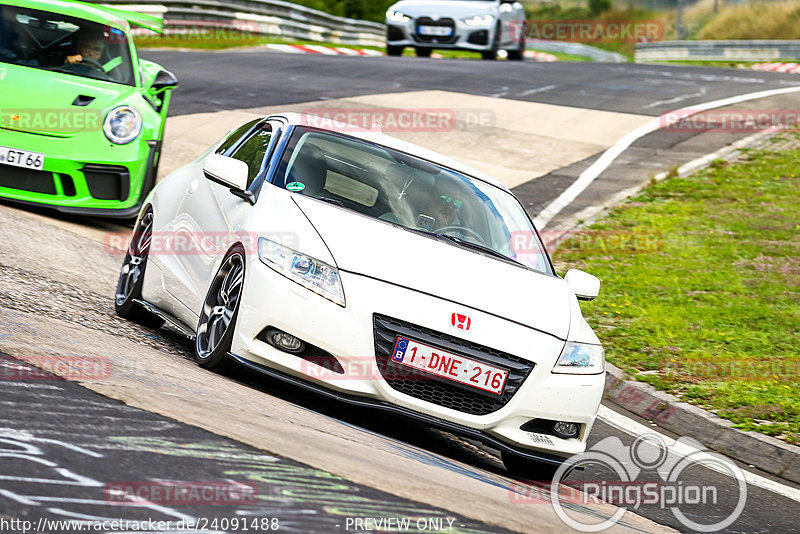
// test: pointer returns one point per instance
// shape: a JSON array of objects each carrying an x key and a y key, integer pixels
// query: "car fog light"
[
  {"x": 287, "y": 342},
  {"x": 566, "y": 430}
]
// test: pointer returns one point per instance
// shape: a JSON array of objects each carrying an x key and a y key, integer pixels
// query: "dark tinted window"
[
  {"x": 401, "y": 189},
  {"x": 253, "y": 150},
  {"x": 234, "y": 136},
  {"x": 50, "y": 41}
]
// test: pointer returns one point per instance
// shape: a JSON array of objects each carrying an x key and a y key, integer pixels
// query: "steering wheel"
[
  {"x": 463, "y": 230},
  {"x": 92, "y": 63}
]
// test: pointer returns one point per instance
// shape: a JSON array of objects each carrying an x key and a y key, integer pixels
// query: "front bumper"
[
  {"x": 106, "y": 179},
  {"x": 349, "y": 335},
  {"x": 464, "y": 37}
]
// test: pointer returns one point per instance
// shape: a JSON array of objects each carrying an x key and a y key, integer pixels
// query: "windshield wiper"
[
  {"x": 333, "y": 201},
  {"x": 475, "y": 246}
]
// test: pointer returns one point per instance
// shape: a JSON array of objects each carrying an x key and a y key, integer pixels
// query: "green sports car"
[{"x": 81, "y": 115}]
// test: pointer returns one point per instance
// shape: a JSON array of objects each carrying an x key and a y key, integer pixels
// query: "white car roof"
[{"x": 379, "y": 138}]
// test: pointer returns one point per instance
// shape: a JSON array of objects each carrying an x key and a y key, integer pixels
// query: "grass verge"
[{"x": 701, "y": 287}]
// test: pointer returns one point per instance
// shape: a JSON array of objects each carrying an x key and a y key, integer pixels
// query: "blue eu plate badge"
[{"x": 400, "y": 351}]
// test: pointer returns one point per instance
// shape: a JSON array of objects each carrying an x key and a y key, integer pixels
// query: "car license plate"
[
  {"x": 435, "y": 31},
  {"x": 21, "y": 158},
  {"x": 450, "y": 366}
]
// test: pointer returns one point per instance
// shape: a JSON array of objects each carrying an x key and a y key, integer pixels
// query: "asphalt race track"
[
  {"x": 314, "y": 463},
  {"x": 247, "y": 79}
]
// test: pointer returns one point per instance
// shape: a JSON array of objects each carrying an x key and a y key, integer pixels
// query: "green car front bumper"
[{"x": 110, "y": 180}]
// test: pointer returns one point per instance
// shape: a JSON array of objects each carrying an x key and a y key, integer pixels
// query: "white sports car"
[
  {"x": 485, "y": 26},
  {"x": 375, "y": 271}
]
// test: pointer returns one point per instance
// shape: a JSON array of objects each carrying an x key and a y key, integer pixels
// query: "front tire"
[
  {"x": 131, "y": 276},
  {"x": 527, "y": 468},
  {"x": 220, "y": 312},
  {"x": 394, "y": 50},
  {"x": 519, "y": 53},
  {"x": 424, "y": 52},
  {"x": 491, "y": 54}
]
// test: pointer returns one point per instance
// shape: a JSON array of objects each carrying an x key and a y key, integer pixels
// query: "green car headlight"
[
  {"x": 123, "y": 124},
  {"x": 310, "y": 273},
  {"x": 581, "y": 359}
]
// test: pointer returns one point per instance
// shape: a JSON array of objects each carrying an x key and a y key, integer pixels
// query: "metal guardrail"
[
  {"x": 577, "y": 49},
  {"x": 274, "y": 18},
  {"x": 717, "y": 51}
]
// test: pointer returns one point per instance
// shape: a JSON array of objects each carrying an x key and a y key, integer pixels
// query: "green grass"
[{"x": 717, "y": 281}]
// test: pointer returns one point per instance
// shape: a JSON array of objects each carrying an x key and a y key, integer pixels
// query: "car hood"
[
  {"x": 383, "y": 251},
  {"x": 40, "y": 101},
  {"x": 444, "y": 8}
]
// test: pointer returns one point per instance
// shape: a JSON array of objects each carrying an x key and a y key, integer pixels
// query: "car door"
[{"x": 210, "y": 216}]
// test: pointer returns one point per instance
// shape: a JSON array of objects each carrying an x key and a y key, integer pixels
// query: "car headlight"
[
  {"x": 123, "y": 124},
  {"x": 397, "y": 16},
  {"x": 479, "y": 20},
  {"x": 312, "y": 274},
  {"x": 581, "y": 359}
]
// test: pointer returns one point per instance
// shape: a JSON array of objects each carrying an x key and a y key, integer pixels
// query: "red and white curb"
[
  {"x": 793, "y": 68},
  {"x": 323, "y": 50},
  {"x": 339, "y": 51},
  {"x": 540, "y": 56}
]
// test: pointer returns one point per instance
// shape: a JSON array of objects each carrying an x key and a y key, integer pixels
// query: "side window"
[
  {"x": 253, "y": 150},
  {"x": 235, "y": 136}
]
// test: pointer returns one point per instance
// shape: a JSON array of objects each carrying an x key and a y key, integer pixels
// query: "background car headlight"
[
  {"x": 312, "y": 274},
  {"x": 479, "y": 20},
  {"x": 123, "y": 124},
  {"x": 397, "y": 16},
  {"x": 581, "y": 359}
]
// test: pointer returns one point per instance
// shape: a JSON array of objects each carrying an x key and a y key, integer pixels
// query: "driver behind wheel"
[
  {"x": 89, "y": 46},
  {"x": 446, "y": 211}
]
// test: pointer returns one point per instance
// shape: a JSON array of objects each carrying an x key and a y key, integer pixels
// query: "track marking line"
[
  {"x": 636, "y": 429},
  {"x": 589, "y": 213},
  {"x": 609, "y": 156}
]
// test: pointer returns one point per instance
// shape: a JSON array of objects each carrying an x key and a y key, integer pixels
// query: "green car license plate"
[{"x": 21, "y": 158}]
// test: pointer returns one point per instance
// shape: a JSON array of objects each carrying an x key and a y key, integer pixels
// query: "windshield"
[
  {"x": 412, "y": 193},
  {"x": 49, "y": 41}
]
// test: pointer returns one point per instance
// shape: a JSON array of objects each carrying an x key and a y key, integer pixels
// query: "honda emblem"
[{"x": 461, "y": 321}]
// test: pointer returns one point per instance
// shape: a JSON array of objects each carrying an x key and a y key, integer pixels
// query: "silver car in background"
[{"x": 485, "y": 26}]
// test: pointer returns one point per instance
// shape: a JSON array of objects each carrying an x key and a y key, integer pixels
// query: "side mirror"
[
  {"x": 164, "y": 80},
  {"x": 585, "y": 286},
  {"x": 229, "y": 172}
]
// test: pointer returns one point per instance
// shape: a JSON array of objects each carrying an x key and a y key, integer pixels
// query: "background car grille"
[
  {"x": 441, "y": 391},
  {"x": 427, "y": 21}
]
